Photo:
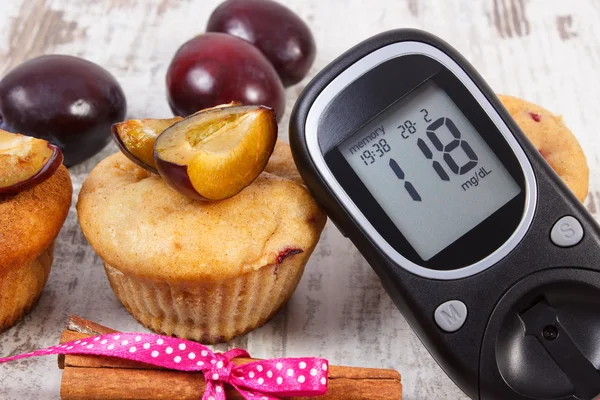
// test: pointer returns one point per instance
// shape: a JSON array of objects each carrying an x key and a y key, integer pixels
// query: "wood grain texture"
[{"x": 546, "y": 51}]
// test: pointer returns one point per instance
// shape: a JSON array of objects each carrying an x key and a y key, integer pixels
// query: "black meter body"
[{"x": 490, "y": 258}]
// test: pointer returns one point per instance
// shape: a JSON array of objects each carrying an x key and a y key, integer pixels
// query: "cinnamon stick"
[
  {"x": 106, "y": 378},
  {"x": 130, "y": 384},
  {"x": 78, "y": 324}
]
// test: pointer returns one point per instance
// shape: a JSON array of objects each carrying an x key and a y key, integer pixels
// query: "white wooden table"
[{"x": 547, "y": 51}]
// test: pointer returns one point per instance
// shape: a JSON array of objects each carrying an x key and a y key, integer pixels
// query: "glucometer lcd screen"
[{"x": 429, "y": 169}]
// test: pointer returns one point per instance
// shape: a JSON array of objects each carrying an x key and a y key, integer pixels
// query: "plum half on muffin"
[
  {"x": 35, "y": 196},
  {"x": 205, "y": 271}
]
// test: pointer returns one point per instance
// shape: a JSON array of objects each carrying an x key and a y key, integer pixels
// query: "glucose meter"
[{"x": 490, "y": 258}]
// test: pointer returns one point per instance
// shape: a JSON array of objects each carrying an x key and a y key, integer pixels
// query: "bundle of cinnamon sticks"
[{"x": 88, "y": 377}]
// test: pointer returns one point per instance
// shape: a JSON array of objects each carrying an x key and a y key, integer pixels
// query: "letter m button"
[{"x": 451, "y": 315}]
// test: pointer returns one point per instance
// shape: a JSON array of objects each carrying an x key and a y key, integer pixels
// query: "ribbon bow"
[{"x": 265, "y": 379}]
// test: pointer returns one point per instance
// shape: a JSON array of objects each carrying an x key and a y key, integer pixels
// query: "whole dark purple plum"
[
  {"x": 279, "y": 33},
  {"x": 66, "y": 100},
  {"x": 214, "y": 68}
]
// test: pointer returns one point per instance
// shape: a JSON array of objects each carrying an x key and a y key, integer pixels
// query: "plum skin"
[
  {"x": 279, "y": 33},
  {"x": 66, "y": 100},
  {"x": 55, "y": 161},
  {"x": 215, "y": 68},
  {"x": 176, "y": 176}
]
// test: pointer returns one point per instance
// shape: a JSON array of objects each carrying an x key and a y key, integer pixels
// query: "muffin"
[
  {"x": 555, "y": 142},
  {"x": 29, "y": 224},
  {"x": 205, "y": 271}
]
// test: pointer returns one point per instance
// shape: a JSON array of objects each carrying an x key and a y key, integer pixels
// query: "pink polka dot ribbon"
[{"x": 265, "y": 379}]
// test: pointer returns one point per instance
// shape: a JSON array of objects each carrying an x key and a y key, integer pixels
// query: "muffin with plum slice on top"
[
  {"x": 35, "y": 196},
  {"x": 197, "y": 269}
]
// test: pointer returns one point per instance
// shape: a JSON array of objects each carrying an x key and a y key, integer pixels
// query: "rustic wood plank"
[{"x": 546, "y": 51}]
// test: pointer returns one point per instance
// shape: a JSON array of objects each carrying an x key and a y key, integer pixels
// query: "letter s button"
[{"x": 566, "y": 232}]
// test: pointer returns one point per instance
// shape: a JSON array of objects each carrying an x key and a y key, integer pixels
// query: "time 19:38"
[{"x": 379, "y": 149}]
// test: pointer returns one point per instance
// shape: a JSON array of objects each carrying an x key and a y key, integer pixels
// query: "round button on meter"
[
  {"x": 566, "y": 232},
  {"x": 414, "y": 158},
  {"x": 451, "y": 315}
]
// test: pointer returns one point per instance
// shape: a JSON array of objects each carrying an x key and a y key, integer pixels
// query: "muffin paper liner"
[{"x": 209, "y": 312}]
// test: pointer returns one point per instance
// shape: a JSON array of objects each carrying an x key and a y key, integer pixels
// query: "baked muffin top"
[
  {"x": 30, "y": 220},
  {"x": 137, "y": 224},
  {"x": 555, "y": 142}
]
